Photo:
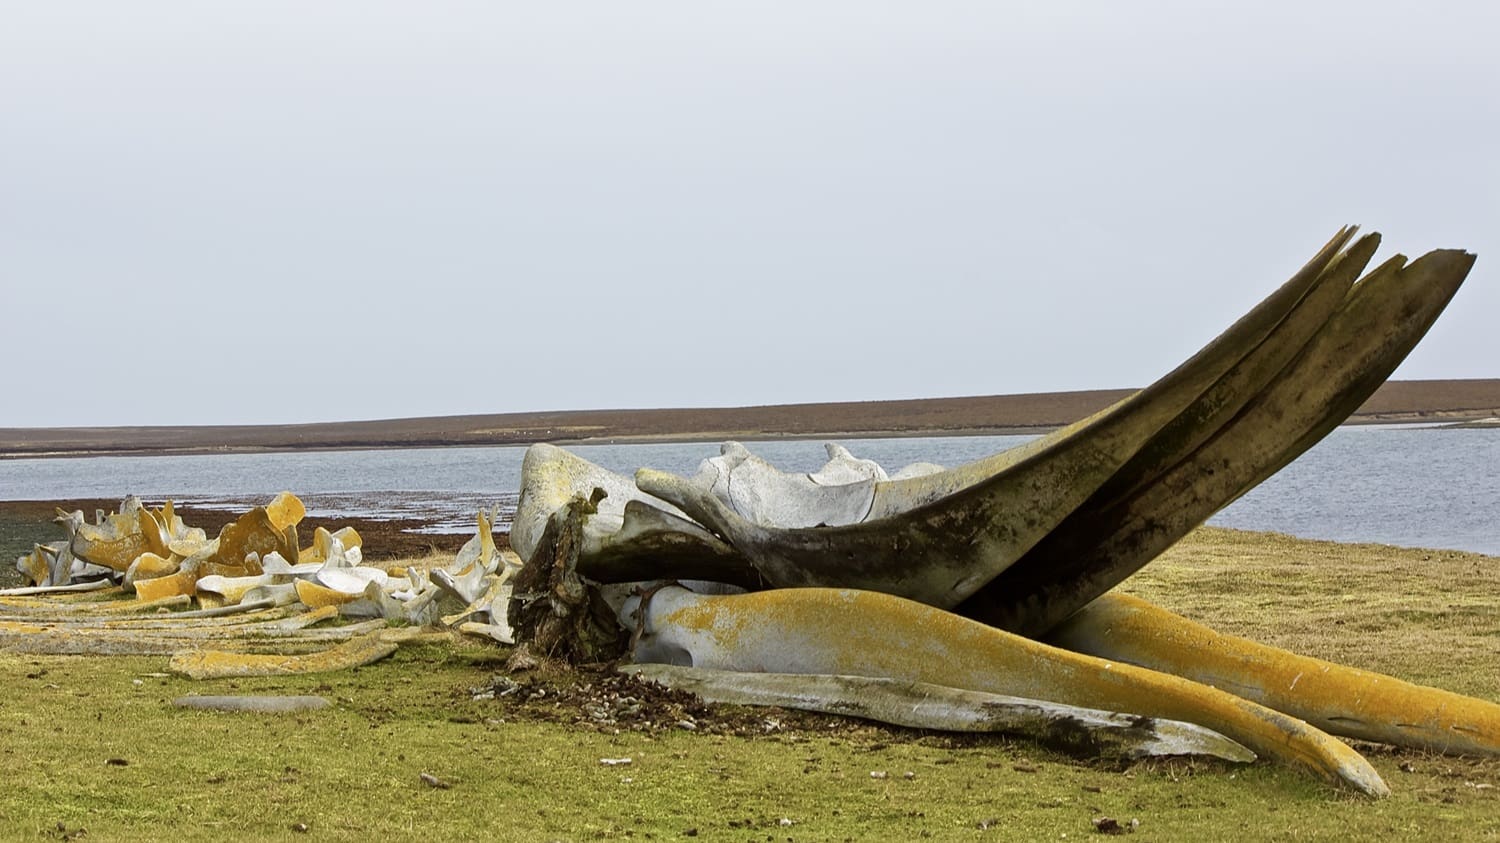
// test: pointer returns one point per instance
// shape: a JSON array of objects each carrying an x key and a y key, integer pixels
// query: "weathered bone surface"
[
  {"x": 921, "y": 705},
  {"x": 209, "y": 664}
]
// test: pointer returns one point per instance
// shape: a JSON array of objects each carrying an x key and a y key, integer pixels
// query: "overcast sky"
[{"x": 315, "y": 211}]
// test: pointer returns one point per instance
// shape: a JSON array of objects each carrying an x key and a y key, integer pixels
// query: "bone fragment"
[
  {"x": 501, "y": 633},
  {"x": 29, "y": 591},
  {"x": 921, "y": 705},
  {"x": 259, "y": 704},
  {"x": 212, "y": 664}
]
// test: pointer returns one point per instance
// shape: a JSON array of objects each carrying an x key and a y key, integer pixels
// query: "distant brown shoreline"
[{"x": 1438, "y": 401}]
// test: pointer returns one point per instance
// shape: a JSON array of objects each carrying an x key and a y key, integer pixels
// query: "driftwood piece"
[
  {"x": 552, "y": 609},
  {"x": 922, "y": 705}
]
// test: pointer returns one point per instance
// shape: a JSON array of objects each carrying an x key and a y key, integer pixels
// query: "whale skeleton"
[{"x": 1029, "y": 540}]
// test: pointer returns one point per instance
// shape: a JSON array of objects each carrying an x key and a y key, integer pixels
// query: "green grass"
[{"x": 351, "y": 771}]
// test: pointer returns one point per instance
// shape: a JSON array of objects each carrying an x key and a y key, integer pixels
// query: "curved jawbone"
[
  {"x": 938, "y": 538},
  {"x": 859, "y": 633},
  {"x": 1341, "y": 700},
  {"x": 1188, "y": 474}
]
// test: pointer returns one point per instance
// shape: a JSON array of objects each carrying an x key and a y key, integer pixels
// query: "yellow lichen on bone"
[
  {"x": 324, "y": 541},
  {"x": 35, "y": 566},
  {"x": 214, "y": 664},
  {"x": 150, "y": 566},
  {"x": 1342, "y": 700},
  {"x": 153, "y": 532},
  {"x": 316, "y": 596},
  {"x": 285, "y": 510},
  {"x": 113, "y": 544},
  {"x": 181, "y": 584},
  {"x": 348, "y": 537},
  {"x": 254, "y": 532}
]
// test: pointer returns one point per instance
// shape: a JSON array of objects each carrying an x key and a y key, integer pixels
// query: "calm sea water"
[{"x": 1418, "y": 487}]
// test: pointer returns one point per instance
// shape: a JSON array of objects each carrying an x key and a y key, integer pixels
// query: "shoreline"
[
  {"x": 620, "y": 439},
  {"x": 1449, "y": 402}
]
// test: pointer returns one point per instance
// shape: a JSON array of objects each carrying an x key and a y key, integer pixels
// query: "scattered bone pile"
[{"x": 255, "y": 570}]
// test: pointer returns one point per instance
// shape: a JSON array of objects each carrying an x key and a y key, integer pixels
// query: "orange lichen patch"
[
  {"x": 188, "y": 546},
  {"x": 113, "y": 552},
  {"x": 181, "y": 584},
  {"x": 316, "y": 616},
  {"x": 291, "y": 550},
  {"x": 413, "y": 634},
  {"x": 254, "y": 532},
  {"x": 323, "y": 541},
  {"x": 348, "y": 537},
  {"x": 34, "y": 566},
  {"x": 250, "y": 567},
  {"x": 1343, "y": 700},
  {"x": 315, "y": 596},
  {"x": 486, "y": 537},
  {"x": 152, "y": 531},
  {"x": 285, "y": 510},
  {"x": 215, "y": 664},
  {"x": 150, "y": 566},
  {"x": 318, "y": 551}
]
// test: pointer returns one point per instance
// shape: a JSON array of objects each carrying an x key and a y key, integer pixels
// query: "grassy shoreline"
[{"x": 351, "y": 771}]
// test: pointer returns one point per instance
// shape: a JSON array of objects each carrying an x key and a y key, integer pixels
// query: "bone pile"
[{"x": 253, "y": 589}]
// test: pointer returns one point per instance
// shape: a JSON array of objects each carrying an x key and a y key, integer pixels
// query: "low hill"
[{"x": 1396, "y": 401}]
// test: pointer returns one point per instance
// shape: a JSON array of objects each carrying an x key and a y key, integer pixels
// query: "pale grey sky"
[{"x": 315, "y": 211}]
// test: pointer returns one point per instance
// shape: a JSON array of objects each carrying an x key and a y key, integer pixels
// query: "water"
[{"x": 1417, "y": 487}]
